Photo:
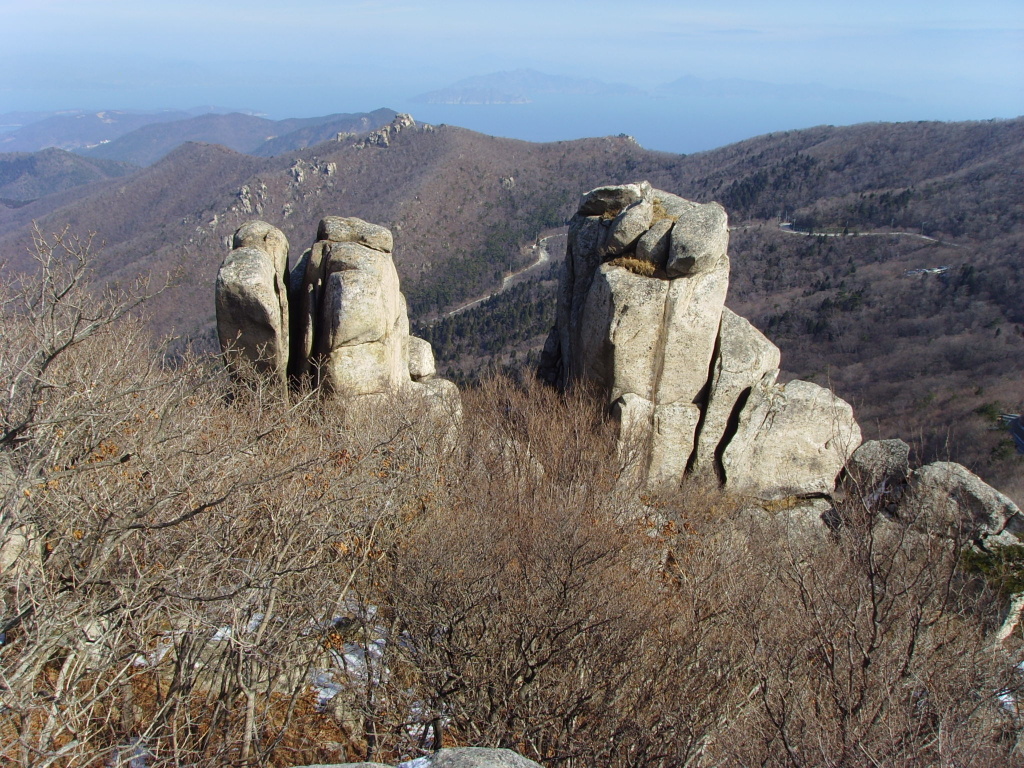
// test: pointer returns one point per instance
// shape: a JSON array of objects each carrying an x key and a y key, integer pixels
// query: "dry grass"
[{"x": 636, "y": 266}]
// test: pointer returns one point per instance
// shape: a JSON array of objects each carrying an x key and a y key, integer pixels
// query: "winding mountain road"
[
  {"x": 543, "y": 257},
  {"x": 786, "y": 226}
]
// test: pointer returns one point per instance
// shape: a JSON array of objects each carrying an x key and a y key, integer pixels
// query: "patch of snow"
[
  {"x": 326, "y": 686},
  {"x": 1007, "y": 699},
  {"x": 136, "y": 752},
  {"x": 164, "y": 643}
]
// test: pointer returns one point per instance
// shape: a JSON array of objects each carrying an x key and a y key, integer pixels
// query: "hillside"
[
  {"x": 80, "y": 129},
  {"x": 237, "y": 131},
  {"x": 27, "y": 176},
  {"x": 929, "y": 357},
  {"x": 200, "y": 567}
]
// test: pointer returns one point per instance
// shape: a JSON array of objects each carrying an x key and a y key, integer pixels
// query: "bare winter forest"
[
  {"x": 195, "y": 572},
  {"x": 200, "y": 573}
]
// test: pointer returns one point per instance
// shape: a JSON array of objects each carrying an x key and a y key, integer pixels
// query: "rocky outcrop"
[
  {"x": 947, "y": 498},
  {"x": 791, "y": 440},
  {"x": 382, "y": 137},
  {"x": 348, "y": 331},
  {"x": 641, "y": 315},
  {"x": 251, "y": 297}
]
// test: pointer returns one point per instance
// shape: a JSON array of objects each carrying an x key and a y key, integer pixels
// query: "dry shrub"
[
  {"x": 199, "y": 554},
  {"x": 868, "y": 650},
  {"x": 191, "y": 549},
  {"x": 532, "y": 607}
]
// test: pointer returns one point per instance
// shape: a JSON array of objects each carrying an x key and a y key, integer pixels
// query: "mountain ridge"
[
  {"x": 237, "y": 131},
  {"x": 921, "y": 360}
]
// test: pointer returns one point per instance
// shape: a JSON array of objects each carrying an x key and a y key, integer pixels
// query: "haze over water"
[{"x": 908, "y": 60}]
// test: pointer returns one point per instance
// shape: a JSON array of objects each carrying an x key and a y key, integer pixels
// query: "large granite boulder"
[
  {"x": 349, "y": 297},
  {"x": 361, "y": 329},
  {"x": 791, "y": 440},
  {"x": 251, "y": 298},
  {"x": 746, "y": 362},
  {"x": 641, "y": 316},
  {"x": 948, "y": 499}
]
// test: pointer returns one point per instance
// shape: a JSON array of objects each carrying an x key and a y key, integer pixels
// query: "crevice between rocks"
[{"x": 732, "y": 426}]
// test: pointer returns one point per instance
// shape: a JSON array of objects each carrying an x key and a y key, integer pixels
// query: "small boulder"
[
  {"x": 653, "y": 244},
  {"x": 340, "y": 229},
  {"x": 478, "y": 757},
  {"x": 610, "y": 201},
  {"x": 421, "y": 359},
  {"x": 671, "y": 206},
  {"x": 880, "y": 461},
  {"x": 627, "y": 228},
  {"x": 700, "y": 239}
]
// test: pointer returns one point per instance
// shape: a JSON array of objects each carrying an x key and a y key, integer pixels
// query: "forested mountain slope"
[
  {"x": 929, "y": 357},
  {"x": 27, "y": 176}
]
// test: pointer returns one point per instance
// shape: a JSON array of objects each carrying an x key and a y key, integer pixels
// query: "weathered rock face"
[
  {"x": 949, "y": 499},
  {"x": 746, "y": 361},
  {"x": 349, "y": 322},
  {"x": 251, "y": 298},
  {"x": 641, "y": 315},
  {"x": 791, "y": 440},
  {"x": 879, "y": 461}
]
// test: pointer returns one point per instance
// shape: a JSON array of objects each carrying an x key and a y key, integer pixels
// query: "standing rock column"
[
  {"x": 638, "y": 313},
  {"x": 349, "y": 320},
  {"x": 352, "y": 321},
  {"x": 251, "y": 296},
  {"x": 641, "y": 315}
]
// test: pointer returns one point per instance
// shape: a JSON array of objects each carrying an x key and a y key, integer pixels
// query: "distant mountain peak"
[{"x": 519, "y": 86}]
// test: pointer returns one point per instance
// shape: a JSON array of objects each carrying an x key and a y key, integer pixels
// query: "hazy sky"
[{"x": 955, "y": 60}]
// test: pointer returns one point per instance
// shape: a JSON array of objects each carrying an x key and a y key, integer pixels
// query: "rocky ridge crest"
[{"x": 641, "y": 317}]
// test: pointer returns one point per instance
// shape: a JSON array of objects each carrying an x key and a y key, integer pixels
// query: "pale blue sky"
[{"x": 954, "y": 60}]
